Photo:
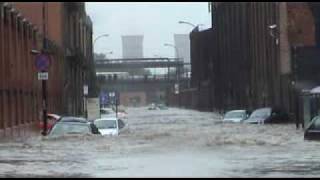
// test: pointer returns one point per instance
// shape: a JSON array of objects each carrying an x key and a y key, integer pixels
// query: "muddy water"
[{"x": 168, "y": 143}]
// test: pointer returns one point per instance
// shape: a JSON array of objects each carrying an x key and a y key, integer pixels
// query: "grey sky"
[{"x": 157, "y": 21}]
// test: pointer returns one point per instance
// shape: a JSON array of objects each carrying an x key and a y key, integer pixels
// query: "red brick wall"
[
  {"x": 301, "y": 25},
  {"x": 19, "y": 87},
  {"x": 33, "y": 11}
]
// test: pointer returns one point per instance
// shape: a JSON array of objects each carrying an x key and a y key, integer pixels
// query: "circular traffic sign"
[{"x": 42, "y": 62}]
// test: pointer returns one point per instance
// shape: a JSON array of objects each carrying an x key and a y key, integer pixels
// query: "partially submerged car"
[
  {"x": 236, "y": 116},
  {"x": 109, "y": 126},
  {"x": 268, "y": 115},
  {"x": 162, "y": 107},
  {"x": 70, "y": 128},
  {"x": 312, "y": 132},
  {"x": 152, "y": 107}
]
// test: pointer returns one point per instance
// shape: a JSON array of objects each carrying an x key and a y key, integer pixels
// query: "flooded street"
[{"x": 168, "y": 143}]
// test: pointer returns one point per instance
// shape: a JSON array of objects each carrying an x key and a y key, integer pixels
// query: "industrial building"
[
  {"x": 69, "y": 36},
  {"x": 256, "y": 54}
]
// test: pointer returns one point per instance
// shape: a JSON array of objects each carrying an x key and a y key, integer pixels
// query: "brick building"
[
  {"x": 69, "y": 34},
  {"x": 69, "y": 29}
]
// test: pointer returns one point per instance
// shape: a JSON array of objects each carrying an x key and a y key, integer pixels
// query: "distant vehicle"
[
  {"x": 51, "y": 120},
  {"x": 152, "y": 107},
  {"x": 268, "y": 115},
  {"x": 109, "y": 126},
  {"x": 107, "y": 112},
  {"x": 162, "y": 107},
  {"x": 70, "y": 128},
  {"x": 312, "y": 132},
  {"x": 236, "y": 116}
]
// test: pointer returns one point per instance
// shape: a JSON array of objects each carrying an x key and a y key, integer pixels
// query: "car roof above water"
[
  {"x": 236, "y": 111},
  {"x": 73, "y": 119}
]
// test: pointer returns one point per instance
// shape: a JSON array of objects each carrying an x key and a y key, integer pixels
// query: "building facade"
[
  {"x": 69, "y": 31},
  {"x": 132, "y": 46},
  {"x": 182, "y": 42},
  {"x": 255, "y": 55}
]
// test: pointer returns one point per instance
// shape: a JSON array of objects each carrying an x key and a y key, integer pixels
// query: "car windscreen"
[
  {"x": 235, "y": 115},
  {"x": 70, "y": 128},
  {"x": 261, "y": 113},
  {"x": 106, "y": 124}
]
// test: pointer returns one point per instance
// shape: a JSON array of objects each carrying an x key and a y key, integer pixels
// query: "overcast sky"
[{"x": 157, "y": 21}]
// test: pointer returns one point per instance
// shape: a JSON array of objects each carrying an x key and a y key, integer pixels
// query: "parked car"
[
  {"x": 109, "y": 126},
  {"x": 62, "y": 128},
  {"x": 236, "y": 116},
  {"x": 268, "y": 115},
  {"x": 51, "y": 120},
  {"x": 312, "y": 131}
]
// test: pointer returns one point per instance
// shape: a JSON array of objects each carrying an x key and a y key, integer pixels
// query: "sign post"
[
  {"x": 85, "y": 93},
  {"x": 42, "y": 64}
]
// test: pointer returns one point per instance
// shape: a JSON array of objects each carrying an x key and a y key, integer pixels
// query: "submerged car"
[
  {"x": 72, "y": 119},
  {"x": 268, "y": 115},
  {"x": 152, "y": 107},
  {"x": 162, "y": 107},
  {"x": 312, "y": 132},
  {"x": 236, "y": 116},
  {"x": 109, "y": 126},
  {"x": 70, "y": 128}
]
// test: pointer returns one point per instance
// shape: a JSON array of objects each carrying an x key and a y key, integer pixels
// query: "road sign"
[
  {"x": 176, "y": 88},
  {"x": 43, "y": 76},
  {"x": 42, "y": 62},
  {"x": 85, "y": 89}
]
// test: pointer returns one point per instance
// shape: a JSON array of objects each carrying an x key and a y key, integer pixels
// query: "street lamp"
[
  {"x": 176, "y": 86},
  {"x": 103, "y": 35},
  {"x": 171, "y": 45},
  {"x": 272, "y": 34},
  {"x": 194, "y": 26}
]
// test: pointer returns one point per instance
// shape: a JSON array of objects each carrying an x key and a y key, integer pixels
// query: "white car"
[
  {"x": 236, "y": 116},
  {"x": 108, "y": 126}
]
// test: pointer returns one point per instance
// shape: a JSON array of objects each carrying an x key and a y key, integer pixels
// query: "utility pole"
[{"x": 44, "y": 82}]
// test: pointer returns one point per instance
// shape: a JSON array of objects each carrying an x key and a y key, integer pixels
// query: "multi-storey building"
[{"x": 69, "y": 30}]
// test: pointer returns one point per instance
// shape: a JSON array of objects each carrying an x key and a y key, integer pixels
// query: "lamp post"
[
  {"x": 194, "y": 27},
  {"x": 175, "y": 47},
  {"x": 95, "y": 40},
  {"x": 176, "y": 87}
]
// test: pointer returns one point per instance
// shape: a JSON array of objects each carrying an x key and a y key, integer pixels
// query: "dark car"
[
  {"x": 312, "y": 132},
  {"x": 268, "y": 115}
]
